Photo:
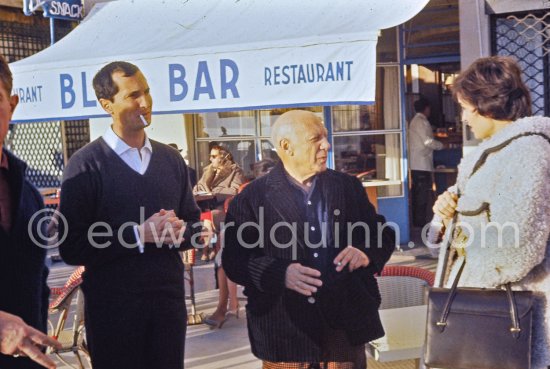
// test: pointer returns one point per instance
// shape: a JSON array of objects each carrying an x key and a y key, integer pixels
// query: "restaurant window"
[
  {"x": 235, "y": 130},
  {"x": 269, "y": 116},
  {"x": 240, "y": 149},
  {"x": 226, "y": 124},
  {"x": 367, "y": 138},
  {"x": 386, "y": 48},
  {"x": 246, "y": 134}
]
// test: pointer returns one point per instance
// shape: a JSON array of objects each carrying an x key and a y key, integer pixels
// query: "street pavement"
[{"x": 228, "y": 347}]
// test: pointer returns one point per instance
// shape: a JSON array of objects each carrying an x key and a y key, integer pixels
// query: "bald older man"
[{"x": 303, "y": 241}]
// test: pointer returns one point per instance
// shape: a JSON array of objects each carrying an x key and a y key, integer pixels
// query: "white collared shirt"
[
  {"x": 422, "y": 144},
  {"x": 137, "y": 159}
]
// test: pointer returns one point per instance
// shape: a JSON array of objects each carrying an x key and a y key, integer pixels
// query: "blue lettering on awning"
[
  {"x": 308, "y": 73},
  {"x": 29, "y": 94},
  {"x": 68, "y": 93},
  {"x": 180, "y": 83}
]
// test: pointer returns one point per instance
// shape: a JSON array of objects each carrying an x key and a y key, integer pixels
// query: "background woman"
[{"x": 222, "y": 178}]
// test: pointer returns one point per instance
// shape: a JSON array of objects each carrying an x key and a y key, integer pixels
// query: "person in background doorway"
[
  {"x": 421, "y": 147},
  {"x": 23, "y": 273}
]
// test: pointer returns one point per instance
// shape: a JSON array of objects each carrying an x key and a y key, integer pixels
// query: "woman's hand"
[{"x": 445, "y": 206}]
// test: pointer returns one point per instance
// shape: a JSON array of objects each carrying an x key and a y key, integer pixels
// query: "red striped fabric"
[
  {"x": 74, "y": 281},
  {"x": 409, "y": 271}
]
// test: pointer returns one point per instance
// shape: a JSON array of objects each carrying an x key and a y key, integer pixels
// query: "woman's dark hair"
[
  {"x": 223, "y": 152},
  {"x": 493, "y": 86},
  {"x": 104, "y": 86}
]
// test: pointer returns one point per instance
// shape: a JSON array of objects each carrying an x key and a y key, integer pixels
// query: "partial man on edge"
[{"x": 23, "y": 273}]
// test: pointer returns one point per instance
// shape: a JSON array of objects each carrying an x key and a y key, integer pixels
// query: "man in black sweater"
[
  {"x": 298, "y": 240},
  {"x": 23, "y": 290},
  {"x": 129, "y": 210}
]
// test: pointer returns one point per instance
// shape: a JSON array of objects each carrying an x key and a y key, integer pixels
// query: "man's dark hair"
[
  {"x": 421, "y": 104},
  {"x": 493, "y": 86},
  {"x": 104, "y": 86},
  {"x": 5, "y": 75},
  {"x": 175, "y": 146}
]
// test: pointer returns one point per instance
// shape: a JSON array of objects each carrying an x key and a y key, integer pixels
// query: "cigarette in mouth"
[{"x": 143, "y": 120}]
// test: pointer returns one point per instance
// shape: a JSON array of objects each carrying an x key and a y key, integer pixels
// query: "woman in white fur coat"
[{"x": 511, "y": 189}]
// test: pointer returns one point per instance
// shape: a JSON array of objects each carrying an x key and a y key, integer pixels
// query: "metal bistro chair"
[
  {"x": 402, "y": 286},
  {"x": 72, "y": 339},
  {"x": 188, "y": 258}
]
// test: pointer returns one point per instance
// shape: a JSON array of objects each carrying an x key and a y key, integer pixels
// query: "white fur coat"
[{"x": 515, "y": 182}]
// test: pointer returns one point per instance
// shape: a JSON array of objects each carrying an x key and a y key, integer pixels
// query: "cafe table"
[{"x": 405, "y": 332}]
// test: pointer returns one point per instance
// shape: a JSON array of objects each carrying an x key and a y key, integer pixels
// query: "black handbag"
[{"x": 478, "y": 328}]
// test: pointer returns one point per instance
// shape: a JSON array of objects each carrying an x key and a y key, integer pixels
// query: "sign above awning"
[
  {"x": 58, "y": 9},
  {"x": 211, "y": 55},
  {"x": 63, "y": 9}
]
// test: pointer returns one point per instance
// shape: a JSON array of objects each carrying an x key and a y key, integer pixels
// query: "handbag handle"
[
  {"x": 446, "y": 246},
  {"x": 442, "y": 322}
]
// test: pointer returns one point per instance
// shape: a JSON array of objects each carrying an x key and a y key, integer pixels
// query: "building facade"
[{"x": 45, "y": 146}]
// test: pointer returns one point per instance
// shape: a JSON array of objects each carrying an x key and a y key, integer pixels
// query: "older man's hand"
[
  {"x": 353, "y": 257},
  {"x": 17, "y": 338},
  {"x": 302, "y": 279}
]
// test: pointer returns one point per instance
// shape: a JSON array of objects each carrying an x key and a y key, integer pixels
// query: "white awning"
[{"x": 212, "y": 55}]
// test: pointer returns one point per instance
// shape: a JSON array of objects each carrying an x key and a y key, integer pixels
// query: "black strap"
[
  {"x": 470, "y": 213},
  {"x": 485, "y": 155},
  {"x": 442, "y": 322},
  {"x": 483, "y": 158},
  {"x": 515, "y": 329}
]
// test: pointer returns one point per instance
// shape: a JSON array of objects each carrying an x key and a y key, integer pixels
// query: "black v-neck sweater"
[{"x": 102, "y": 196}]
